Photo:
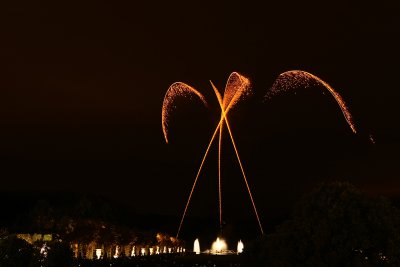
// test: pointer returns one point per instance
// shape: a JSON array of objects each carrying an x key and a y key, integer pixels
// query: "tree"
[
  {"x": 59, "y": 255},
  {"x": 42, "y": 217},
  {"x": 14, "y": 252},
  {"x": 334, "y": 226}
]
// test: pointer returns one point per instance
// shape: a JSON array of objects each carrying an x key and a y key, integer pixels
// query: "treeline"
[
  {"x": 335, "y": 225},
  {"x": 34, "y": 212},
  {"x": 84, "y": 221}
]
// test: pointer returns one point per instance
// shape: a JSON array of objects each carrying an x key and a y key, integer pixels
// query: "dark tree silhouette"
[
  {"x": 59, "y": 255},
  {"x": 334, "y": 226},
  {"x": 14, "y": 252}
]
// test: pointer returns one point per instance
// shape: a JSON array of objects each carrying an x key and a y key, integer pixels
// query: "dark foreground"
[{"x": 167, "y": 261}]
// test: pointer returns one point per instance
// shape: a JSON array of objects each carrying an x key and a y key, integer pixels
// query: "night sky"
[{"x": 82, "y": 85}]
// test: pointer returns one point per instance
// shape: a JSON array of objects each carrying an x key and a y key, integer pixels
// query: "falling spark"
[
  {"x": 372, "y": 139},
  {"x": 296, "y": 78},
  {"x": 176, "y": 90}
]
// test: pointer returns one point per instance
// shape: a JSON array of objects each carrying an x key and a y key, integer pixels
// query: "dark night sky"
[{"x": 82, "y": 84}]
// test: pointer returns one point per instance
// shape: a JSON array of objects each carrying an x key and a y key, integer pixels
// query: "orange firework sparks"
[
  {"x": 236, "y": 88},
  {"x": 296, "y": 78},
  {"x": 176, "y": 90},
  {"x": 225, "y": 118}
]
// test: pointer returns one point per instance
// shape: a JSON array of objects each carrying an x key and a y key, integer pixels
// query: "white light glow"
[
  {"x": 133, "y": 253},
  {"x": 116, "y": 252},
  {"x": 240, "y": 247},
  {"x": 219, "y": 246},
  {"x": 196, "y": 246},
  {"x": 98, "y": 253}
]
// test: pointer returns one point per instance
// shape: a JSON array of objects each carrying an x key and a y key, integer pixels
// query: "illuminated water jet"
[
  {"x": 98, "y": 253},
  {"x": 219, "y": 246},
  {"x": 196, "y": 246},
  {"x": 133, "y": 253},
  {"x": 116, "y": 254},
  {"x": 240, "y": 247}
]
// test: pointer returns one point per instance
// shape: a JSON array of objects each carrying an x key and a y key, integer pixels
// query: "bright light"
[
  {"x": 116, "y": 252},
  {"x": 151, "y": 251},
  {"x": 219, "y": 246},
  {"x": 44, "y": 250},
  {"x": 240, "y": 247},
  {"x": 98, "y": 253},
  {"x": 133, "y": 253},
  {"x": 143, "y": 251},
  {"x": 196, "y": 246}
]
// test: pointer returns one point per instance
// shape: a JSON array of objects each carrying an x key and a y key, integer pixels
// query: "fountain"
[
  {"x": 196, "y": 246},
  {"x": 219, "y": 246},
  {"x": 240, "y": 247}
]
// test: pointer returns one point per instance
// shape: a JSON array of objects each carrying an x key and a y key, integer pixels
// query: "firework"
[
  {"x": 225, "y": 118},
  {"x": 237, "y": 87},
  {"x": 295, "y": 79},
  {"x": 175, "y": 91}
]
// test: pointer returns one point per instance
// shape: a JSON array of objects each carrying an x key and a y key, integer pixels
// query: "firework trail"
[
  {"x": 176, "y": 90},
  {"x": 225, "y": 118},
  {"x": 237, "y": 87},
  {"x": 296, "y": 78}
]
